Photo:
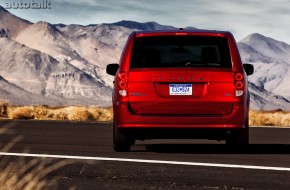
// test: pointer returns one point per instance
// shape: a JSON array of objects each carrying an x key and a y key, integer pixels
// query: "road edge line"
[{"x": 147, "y": 161}]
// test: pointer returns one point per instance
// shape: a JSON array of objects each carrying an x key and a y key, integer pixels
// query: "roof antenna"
[{"x": 180, "y": 28}]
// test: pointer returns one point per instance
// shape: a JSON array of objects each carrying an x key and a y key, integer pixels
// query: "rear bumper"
[
  {"x": 124, "y": 119},
  {"x": 181, "y": 133}
]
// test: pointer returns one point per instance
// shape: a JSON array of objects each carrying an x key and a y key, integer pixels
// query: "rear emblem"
[{"x": 137, "y": 94}]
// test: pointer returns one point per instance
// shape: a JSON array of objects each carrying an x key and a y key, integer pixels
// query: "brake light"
[
  {"x": 180, "y": 34},
  {"x": 123, "y": 83},
  {"x": 239, "y": 84},
  {"x": 239, "y": 76}
]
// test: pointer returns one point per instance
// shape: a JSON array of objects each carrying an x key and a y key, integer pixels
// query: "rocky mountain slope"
[
  {"x": 20, "y": 96},
  {"x": 11, "y": 25},
  {"x": 41, "y": 74},
  {"x": 271, "y": 59}
]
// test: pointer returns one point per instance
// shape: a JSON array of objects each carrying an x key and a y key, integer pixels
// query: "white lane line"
[{"x": 147, "y": 161}]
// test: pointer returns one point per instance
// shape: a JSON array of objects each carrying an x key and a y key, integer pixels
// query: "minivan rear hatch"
[{"x": 181, "y": 75}]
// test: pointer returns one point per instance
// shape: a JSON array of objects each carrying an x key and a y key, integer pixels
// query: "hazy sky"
[{"x": 241, "y": 17}]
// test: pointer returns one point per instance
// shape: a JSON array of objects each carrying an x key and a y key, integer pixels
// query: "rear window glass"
[{"x": 180, "y": 51}]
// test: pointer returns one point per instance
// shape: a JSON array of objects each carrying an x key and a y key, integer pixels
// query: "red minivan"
[{"x": 180, "y": 84}]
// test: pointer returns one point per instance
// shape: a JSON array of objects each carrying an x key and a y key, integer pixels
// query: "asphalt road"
[{"x": 195, "y": 161}]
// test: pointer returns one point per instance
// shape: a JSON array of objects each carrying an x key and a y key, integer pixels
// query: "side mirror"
[
  {"x": 112, "y": 69},
  {"x": 249, "y": 68}
]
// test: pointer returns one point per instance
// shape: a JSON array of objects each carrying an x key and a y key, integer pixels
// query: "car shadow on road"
[{"x": 219, "y": 148}]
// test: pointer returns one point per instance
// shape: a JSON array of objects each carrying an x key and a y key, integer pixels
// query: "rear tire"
[
  {"x": 239, "y": 139},
  {"x": 242, "y": 138},
  {"x": 121, "y": 141}
]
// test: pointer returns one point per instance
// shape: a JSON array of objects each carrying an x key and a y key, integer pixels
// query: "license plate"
[{"x": 180, "y": 89}]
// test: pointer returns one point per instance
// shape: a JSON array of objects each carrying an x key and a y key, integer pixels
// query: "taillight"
[
  {"x": 239, "y": 76},
  {"x": 239, "y": 84},
  {"x": 123, "y": 83}
]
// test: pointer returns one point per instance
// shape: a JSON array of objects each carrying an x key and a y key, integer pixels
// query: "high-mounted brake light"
[
  {"x": 239, "y": 84},
  {"x": 180, "y": 33}
]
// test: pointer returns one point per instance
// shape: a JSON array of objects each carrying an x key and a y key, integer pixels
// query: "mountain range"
[{"x": 57, "y": 64}]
